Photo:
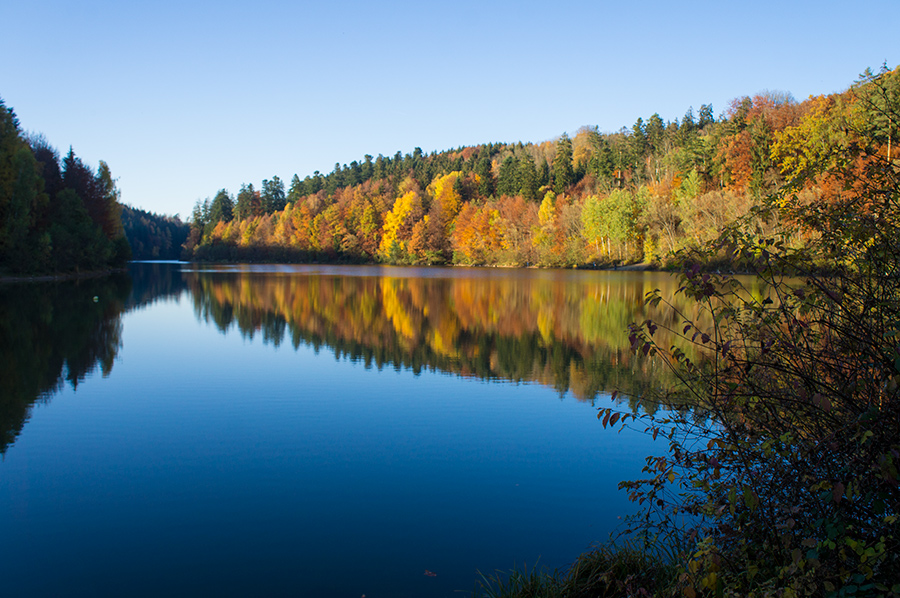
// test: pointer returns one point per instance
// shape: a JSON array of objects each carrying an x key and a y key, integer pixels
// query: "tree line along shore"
[{"x": 636, "y": 195}]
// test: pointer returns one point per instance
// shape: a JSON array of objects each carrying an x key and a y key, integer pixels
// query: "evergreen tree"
[
  {"x": 687, "y": 123},
  {"x": 706, "y": 116},
  {"x": 382, "y": 167},
  {"x": 601, "y": 164},
  {"x": 244, "y": 206},
  {"x": 297, "y": 190},
  {"x": 110, "y": 209},
  {"x": 544, "y": 175},
  {"x": 316, "y": 183},
  {"x": 563, "y": 176},
  {"x": 655, "y": 132},
  {"x": 272, "y": 198},
  {"x": 79, "y": 178},
  {"x": 741, "y": 111},
  {"x": 507, "y": 177},
  {"x": 485, "y": 176},
  {"x": 222, "y": 207},
  {"x": 527, "y": 178},
  {"x": 154, "y": 237},
  {"x": 639, "y": 144}
]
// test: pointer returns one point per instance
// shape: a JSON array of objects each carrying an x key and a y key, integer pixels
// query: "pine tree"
[{"x": 563, "y": 175}]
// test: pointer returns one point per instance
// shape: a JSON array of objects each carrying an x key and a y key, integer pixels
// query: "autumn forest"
[
  {"x": 594, "y": 199},
  {"x": 634, "y": 195}
]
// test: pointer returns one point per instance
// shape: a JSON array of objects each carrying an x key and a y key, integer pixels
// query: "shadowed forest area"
[
  {"x": 56, "y": 216},
  {"x": 153, "y": 236}
]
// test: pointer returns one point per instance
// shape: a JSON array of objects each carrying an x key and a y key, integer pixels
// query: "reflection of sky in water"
[{"x": 213, "y": 464}]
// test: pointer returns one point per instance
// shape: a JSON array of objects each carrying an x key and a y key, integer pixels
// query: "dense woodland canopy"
[
  {"x": 55, "y": 215},
  {"x": 633, "y": 195},
  {"x": 153, "y": 236}
]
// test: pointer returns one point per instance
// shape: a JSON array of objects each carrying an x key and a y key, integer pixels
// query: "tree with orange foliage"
[
  {"x": 478, "y": 236},
  {"x": 746, "y": 153}
]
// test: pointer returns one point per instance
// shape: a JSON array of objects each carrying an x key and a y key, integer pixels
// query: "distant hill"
[{"x": 153, "y": 236}]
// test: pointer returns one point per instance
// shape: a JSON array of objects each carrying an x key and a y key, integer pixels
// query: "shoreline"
[
  {"x": 59, "y": 276},
  {"x": 64, "y": 276},
  {"x": 632, "y": 266}
]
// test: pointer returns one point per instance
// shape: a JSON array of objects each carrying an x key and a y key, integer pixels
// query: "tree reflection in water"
[
  {"x": 52, "y": 334},
  {"x": 561, "y": 329},
  {"x": 565, "y": 330}
]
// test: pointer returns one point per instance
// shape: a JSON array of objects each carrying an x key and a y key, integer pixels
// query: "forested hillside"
[
  {"x": 633, "y": 195},
  {"x": 55, "y": 216},
  {"x": 152, "y": 236}
]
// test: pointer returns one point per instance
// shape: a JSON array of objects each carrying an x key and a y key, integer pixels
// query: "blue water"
[{"x": 213, "y": 463}]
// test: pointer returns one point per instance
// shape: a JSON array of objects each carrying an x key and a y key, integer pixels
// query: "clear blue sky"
[{"x": 182, "y": 98}]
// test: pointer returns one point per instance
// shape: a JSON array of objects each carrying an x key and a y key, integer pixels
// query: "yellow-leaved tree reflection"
[{"x": 566, "y": 330}]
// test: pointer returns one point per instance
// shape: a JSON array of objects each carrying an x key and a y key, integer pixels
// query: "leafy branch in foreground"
[{"x": 783, "y": 479}]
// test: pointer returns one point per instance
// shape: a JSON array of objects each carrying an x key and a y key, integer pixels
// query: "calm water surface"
[{"x": 310, "y": 431}]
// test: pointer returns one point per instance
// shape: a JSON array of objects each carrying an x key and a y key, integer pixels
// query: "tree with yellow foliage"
[
  {"x": 398, "y": 225},
  {"x": 443, "y": 190}
]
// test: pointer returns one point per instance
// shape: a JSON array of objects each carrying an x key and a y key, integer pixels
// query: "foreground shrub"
[
  {"x": 608, "y": 570},
  {"x": 784, "y": 475}
]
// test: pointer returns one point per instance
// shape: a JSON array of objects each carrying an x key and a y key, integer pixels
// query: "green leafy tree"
[
  {"x": 54, "y": 219},
  {"x": 594, "y": 224},
  {"x": 11, "y": 219},
  {"x": 22, "y": 199},
  {"x": 78, "y": 243}
]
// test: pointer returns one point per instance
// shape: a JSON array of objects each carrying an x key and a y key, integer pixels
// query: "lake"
[{"x": 312, "y": 430}]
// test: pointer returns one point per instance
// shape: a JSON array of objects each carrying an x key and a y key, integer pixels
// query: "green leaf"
[{"x": 750, "y": 499}]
